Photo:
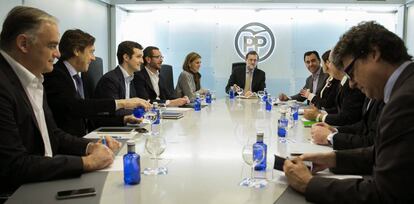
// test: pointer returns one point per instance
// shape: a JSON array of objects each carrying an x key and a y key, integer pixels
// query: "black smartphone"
[
  {"x": 279, "y": 161},
  {"x": 75, "y": 193}
]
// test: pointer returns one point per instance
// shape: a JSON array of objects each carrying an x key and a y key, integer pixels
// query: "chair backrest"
[
  {"x": 167, "y": 73},
  {"x": 93, "y": 75},
  {"x": 237, "y": 64}
]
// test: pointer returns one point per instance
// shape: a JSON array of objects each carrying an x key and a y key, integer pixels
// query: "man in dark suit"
[
  {"x": 315, "y": 82},
  {"x": 117, "y": 84},
  {"x": 360, "y": 134},
  {"x": 150, "y": 85},
  {"x": 378, "y": 64},
  {"x": 67, "y": 95},
  {"x": 32, "y": 148},
  {"x": 250, "y": 78}
]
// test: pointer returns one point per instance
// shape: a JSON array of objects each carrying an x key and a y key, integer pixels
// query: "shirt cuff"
[
  {"x": 87, "y": 148},
  {"x": 330, "y": 137},
  {"x": 324, "y": 117},
  {"x": 167, "y": 102},
  {"x": 310, "y": 96},
  {"x": 117, "y": 106}
]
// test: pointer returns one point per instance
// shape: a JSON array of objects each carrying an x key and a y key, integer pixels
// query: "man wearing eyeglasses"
[
  {"x": 378, "y": 64},
  {"x": 150, "y": 85}
]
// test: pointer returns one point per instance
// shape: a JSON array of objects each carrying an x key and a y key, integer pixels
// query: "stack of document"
[{"x": 168, "y": 114}]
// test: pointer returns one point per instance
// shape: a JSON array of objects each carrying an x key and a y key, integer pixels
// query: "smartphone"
[
  {"x": 279, "y": 161},
  {"x": 75, "y": 193}
]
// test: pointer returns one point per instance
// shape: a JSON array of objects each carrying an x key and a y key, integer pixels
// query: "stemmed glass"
[
  {"x": 239, "y": 92},
  {"x": 253, "y": 155},
  {"x": 155, "y": 145},
  {"x": 261, "y": 94}
]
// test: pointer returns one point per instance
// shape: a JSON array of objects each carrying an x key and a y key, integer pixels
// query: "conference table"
[{"x": 203, "y": 157}]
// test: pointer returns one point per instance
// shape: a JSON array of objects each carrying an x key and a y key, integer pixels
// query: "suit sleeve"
[
  {"x": 140, "y": 87},
  {"x": 62, "y": 100},
  {"x": 20, "y": 166},
  {"x": 262, "y": 83},
  {"x": 186, "y": 85},
  {"x": 351, "y": 109}
]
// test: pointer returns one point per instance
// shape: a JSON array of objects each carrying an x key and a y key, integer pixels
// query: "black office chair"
[
  {"x": 166, "y": 73},
  {"x": 93, "y": 75},
  {"x": 237, "y": 64}
]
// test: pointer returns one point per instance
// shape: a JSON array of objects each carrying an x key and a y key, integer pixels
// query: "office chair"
[
  {"x": 92, "y": 76},
  {"x": 167, "y": 74},
  {"x": 237, "y": 64}
]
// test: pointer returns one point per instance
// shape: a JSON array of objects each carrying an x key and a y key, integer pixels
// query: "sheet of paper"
[
  {"x": 98, "y": 135},
  {"x": 118, "y": 165},
  {"x": 178, "y": 109}
]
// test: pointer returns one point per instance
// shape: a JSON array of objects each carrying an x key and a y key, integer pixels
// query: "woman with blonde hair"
[{"x": 189, "y": 79}]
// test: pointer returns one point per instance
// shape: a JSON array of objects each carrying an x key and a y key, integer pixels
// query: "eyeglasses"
[
  {"x": 158, "y": 57},
  {"x": 350, "y": 68}
]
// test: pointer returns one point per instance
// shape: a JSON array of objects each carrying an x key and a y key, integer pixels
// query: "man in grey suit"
[
  {"x": 378, "y": 64},
  {"x": 315, "y": 82}
]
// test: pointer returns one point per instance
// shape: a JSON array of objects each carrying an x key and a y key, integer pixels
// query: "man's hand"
[
  {"x": 320, "y": 134},
  {"x": 320, "y": 161},
  {"x": 179, "y": 101},
  {"x": 236, "y": 87},
  {"x": 99, "y": 157},
  {"x": 304, "y": 93},
  {"x": 311, "y": 113},
  {"x": 132, "y": 103},
  {"x": 283, "y": 97},
  {"x": 132, "y": 119},
  {"x": 298, "y": 175}
]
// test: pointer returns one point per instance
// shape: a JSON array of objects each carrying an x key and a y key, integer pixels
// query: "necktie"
[
  {"x": 79, "y": 86},
  {"x": 247, "y": 85}
]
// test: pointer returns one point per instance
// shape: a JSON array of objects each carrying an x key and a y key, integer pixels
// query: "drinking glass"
[
  {"x": 239, "y": 92},
  {"x": 261, "y": 94},
  {"x": 155, "y": 145},
  {"x": 253, "y": 155}
]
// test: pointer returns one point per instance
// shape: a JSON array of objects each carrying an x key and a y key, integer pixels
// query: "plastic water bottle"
[
  {"x": 231, "y": 93},
  {"x": 208, "y": 97},
  {"x": 282, "y": 125},
  {"x": 265, "y": 95},
  {"x": 257, "y": 151},
  {"x": 132, "y": 167},
  {"x": 139, "y": 112},
  {"x": 295, "y": 113},
  {"x": 156, "y": 125},
  {"x": 197, "y": 103},
  {"x": 269, "y": 103}
]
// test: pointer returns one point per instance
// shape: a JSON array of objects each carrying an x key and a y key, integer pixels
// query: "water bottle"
[
  {"x": 132, "y": 169},
  {"x": 156, "y": 125},
  {"x": 282, "y": 125},
  {"x": 139, "y": 112},
  {"x": 197, "y": 102},
  {"x": 295, "y": 113},
  {"x": 269, "y": 103},
  {"x": 257, "y": 152},
  {"x": 265, "y": 95},
  {"x": 231, "y": 93},
  {"x": 208, "y": 97}
]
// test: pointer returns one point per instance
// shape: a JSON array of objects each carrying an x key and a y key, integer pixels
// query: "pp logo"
[{"x": 255, "y": 36}]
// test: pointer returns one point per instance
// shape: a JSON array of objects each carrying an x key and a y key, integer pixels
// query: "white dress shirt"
[
  {"x": 33, "y": 86},
  {"x": 154, "y": 80},
  {"x": 127, "y": 79}
]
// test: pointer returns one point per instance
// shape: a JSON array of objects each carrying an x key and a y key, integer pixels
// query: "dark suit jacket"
[
  {"x": 71, "y": 111},
  {"x": 362, "y": 133},
  {"x": 390, "y": 160},
  {"x": 349, "y": 105},
  {"x": 21, "y": 146},
  {"x": 145, "y": 90},
  {"x": 309, "y": 85},
  {"x": 238, "y": 76},
  {"x": 328, "y": 100}
]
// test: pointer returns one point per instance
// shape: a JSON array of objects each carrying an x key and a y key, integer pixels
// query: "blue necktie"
[{"x": 79, "y": 85}]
